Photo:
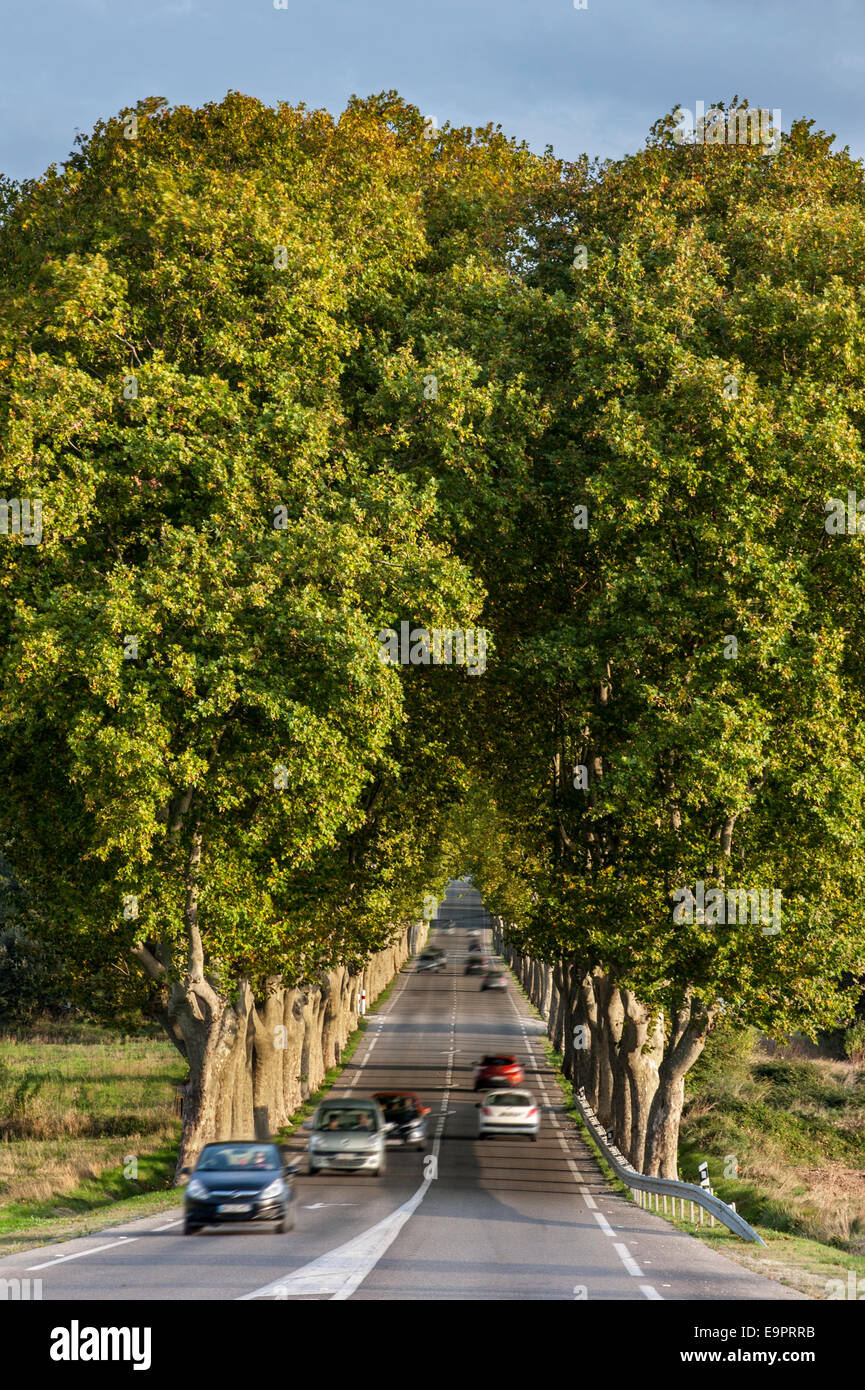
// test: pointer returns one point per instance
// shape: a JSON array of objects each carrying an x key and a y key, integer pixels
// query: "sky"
[{"x": 584, "y": 81}]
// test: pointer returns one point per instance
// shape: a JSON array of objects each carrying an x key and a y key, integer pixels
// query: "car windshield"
[
  {"x": 347, "y": 1118},
  {"x": 497, "y": 1062},
  {"x": 397, "y": 1107},
  {"x": 513, "y": 1099},
  {"x": 234, "y": 1157}
]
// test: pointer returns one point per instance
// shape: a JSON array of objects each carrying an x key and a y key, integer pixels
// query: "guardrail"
[{"x": 668, "y": 1188}]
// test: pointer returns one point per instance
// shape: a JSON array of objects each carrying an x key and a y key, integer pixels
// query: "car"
[
  {"x": 239, "y": 1181},
  {"x": 403, "y": 1109},
  {"x": 495, "y": 978},
  {"x": 432, "y": 959},
  {"x": 476, "y": 965},
  {"x": 508, "y": 1112},
  {"x": 491, "y": 1073},
  {"x": 348, "y": 1134}
]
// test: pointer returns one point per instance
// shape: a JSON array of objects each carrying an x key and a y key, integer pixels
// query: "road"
[{"x": 502, "y": 1219}]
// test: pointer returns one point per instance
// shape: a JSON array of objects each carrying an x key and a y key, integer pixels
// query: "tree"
[
  {"x": 202, "y": 313},
  {"x": 702, "y": 376}
]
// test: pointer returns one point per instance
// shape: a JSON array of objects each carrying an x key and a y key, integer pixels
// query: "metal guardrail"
[{"x": 662, "y": 1187}]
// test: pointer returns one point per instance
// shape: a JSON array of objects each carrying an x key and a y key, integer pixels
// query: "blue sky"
[{"x": 588, "y": 80}]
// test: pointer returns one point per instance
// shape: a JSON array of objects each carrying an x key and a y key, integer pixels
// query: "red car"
[{"x": 496, "y": 1072}]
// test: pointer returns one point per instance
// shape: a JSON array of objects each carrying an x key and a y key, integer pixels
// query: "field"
[{"x": 86, "y": 1119}]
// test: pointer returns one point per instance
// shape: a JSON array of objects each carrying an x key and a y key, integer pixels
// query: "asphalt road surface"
[{"x": 502, "y": 1219}]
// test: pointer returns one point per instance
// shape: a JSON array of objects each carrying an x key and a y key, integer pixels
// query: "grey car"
[
  {"x": 348, "y": 1135},
  {"x": 432, "y": 959}
]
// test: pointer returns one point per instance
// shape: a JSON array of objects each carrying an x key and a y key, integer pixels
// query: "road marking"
[
  {"x": 315, "y": 1206},
  {"x": 651, "y": 1293},
  {"x": 168, "y": 1226},
  {"x": 340, "y": 1271},
  {"x": 61, "y": 1259},
  {"x": 603, "y": 1223},
  {"x": 628, "y": 1260}
]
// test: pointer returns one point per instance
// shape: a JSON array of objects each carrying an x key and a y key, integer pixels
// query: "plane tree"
[
  {"x": 197, "y": 718},
  {"x": 678, "y": 687}
]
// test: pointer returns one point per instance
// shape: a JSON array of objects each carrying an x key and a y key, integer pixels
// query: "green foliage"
[
  {"x": 200, "y": 326},
  {"x": 854, "y": 1041},
  {"x": 706, "y": 265}
]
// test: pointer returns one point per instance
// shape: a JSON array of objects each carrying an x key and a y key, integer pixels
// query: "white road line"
[
  {"x": 603, "y": 1223},
  {"x": 651, "y": 1293},
  {"x": 628, "y": 1260},
  {"x": 168, "y": 1225},
  {"x": 61, "y": 1259},
  {"x": 340, "y": 1271}
]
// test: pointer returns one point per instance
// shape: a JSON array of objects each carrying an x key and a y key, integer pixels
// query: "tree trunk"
[
  {"x": 620, "y": 1105},
  {"x": 555, "y": 1029},
  {"x": 641, "y": 1051},
  {"x": 691, "y": 1027}
]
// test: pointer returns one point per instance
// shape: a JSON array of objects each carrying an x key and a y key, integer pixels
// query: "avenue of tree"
[{"x": 282, "y": 381}]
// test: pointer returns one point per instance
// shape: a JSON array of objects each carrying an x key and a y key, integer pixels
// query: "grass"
[
  {"x": 87, "y": 1122},
  {"x": 69, "y": 1111},
  {"x": 784, "y": 1137}
]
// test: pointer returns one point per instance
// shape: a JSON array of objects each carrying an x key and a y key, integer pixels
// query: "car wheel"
[
  {"x": 311, "y": 1172},
  {"x": 534, "y": 1139},
  {"x": 190, "y": 1228},
  {"x": 289, "y": 1219}
]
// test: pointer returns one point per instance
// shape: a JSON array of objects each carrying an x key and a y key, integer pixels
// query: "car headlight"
[
  {"x": 314, "y": 1142},
  {"x": 273, "y": 1189},
  {"x": 197, "y": 1190}
]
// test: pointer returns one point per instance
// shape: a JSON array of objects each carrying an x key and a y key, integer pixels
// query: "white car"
[
  {"x": 348, "y": 1134},
  {"x": 509, "y": 1112}
]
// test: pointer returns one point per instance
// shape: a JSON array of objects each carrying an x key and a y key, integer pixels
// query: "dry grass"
[{"x": 70, "y": 1111}]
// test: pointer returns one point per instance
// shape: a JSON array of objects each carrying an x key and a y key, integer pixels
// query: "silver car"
[
  {"x": 348, "y": 1135},
  {"x": 508, "y": 1112}
]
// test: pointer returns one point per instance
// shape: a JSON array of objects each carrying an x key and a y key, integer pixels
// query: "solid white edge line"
[{"x": 61, "y": 1259}]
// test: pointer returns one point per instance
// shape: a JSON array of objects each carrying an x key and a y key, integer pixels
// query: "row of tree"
[{"x": 282, "y": 382}]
